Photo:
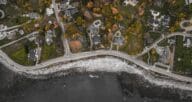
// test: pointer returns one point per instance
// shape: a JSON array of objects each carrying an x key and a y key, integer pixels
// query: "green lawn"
[
  {"x": 49, "y": 52},
  {"x": 18, "y": 55},
  {"x": 185, "y": 54},
  {"x": 21, "y": 57}
]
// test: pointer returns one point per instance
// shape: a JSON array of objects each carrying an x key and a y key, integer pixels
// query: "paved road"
[
  {"x": 35, "y": 70},
  {"x": 65, "y": 41},
  {"x": 161, "y": 39},
  {"x": 188, "y": 28},
  {"x": 9, "y": 28},
  {"x": 27, "y": 36}
]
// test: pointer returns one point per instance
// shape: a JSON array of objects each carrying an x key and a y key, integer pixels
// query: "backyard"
[{"x": 183, "y": 57}]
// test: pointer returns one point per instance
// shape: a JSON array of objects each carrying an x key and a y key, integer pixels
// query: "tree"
[{"x": 80, "y": 21}]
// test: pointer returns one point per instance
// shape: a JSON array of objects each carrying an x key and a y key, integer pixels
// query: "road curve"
[
  {"x": 161, "y": 39},
  {"x": 34, "y": 70}
]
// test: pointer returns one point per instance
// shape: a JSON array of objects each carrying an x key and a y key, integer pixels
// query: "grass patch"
[
  {"x": 185, "y": 56},
  {"x": 49, "y": 52},
  {"x": 18, "y": 55}
]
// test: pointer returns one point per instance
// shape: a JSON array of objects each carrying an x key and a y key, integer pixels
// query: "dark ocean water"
[{"x": 79, "y": 87}]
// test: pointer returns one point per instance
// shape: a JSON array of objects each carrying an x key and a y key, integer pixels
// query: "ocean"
[{"x": 86, "y": 87}]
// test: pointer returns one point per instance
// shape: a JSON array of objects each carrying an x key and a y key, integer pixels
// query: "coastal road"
[{"x": 39, "y": 69}]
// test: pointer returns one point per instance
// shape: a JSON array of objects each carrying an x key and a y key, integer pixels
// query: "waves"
[{"x": 109, "y": 64}]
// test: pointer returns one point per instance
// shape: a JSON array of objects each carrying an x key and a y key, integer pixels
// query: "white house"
[
  {"x": 49, "y": 11},
  {"x": 130, "y": 2},
  {"x": 187, "y": 43}
]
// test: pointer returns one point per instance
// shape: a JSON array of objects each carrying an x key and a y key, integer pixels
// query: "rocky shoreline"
[{"x": 134, "y": 88}]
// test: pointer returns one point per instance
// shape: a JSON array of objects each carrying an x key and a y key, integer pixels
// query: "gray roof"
[
  {"x": 96, "y": 39},
  {"x": 118, "y": 40},
  {"x": 32, "y": 55}
]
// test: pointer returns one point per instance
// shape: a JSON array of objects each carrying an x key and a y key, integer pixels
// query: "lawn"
[
  {"x": 185, "y": 56},
  {"x": 19, "y": 54},
  {"x": 50, "y": 52}
]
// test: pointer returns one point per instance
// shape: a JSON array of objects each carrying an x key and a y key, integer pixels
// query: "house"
[
  {"x": 159, "y": 22},
  {"x": 32, "y": 15},
  {"x": 21, "y": 32},
  {"x": 164, "y": 54},
  {"x": 11, "y": 34},
  {"x": 67, "y": 9},
  {"x": 187, "y": 2},
  {"x": 34, "y": 54},
  {"x": 93, "y": 32},
  {"x": 94, "y": 28},
  {"x": 70, "y": 11},
  {"x": 155, "y": 14},
  {"x": 49, "y": 37},
  {"x": 96, "y": 39},
  {"x": 165, "y": 21},
  {"x": 130, "y": 2},
  {"x": 2, "y": 14},
  {"x": 97, "y": 23},
  {"x": 154, "y": 22},
  {"x": 118, "y": 39},
  {"x": 187, "y": 42},
  {"x": 171, "y": 41},
  {"x": 49, "y": 11},
  {"x": 4, "y": 2}
]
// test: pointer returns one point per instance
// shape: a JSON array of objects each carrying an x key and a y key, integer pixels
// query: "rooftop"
[
  {"x": 4, "y": 2},
  {"x": 96, "y": 39},
  {"x": 130, "y": 2}
]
